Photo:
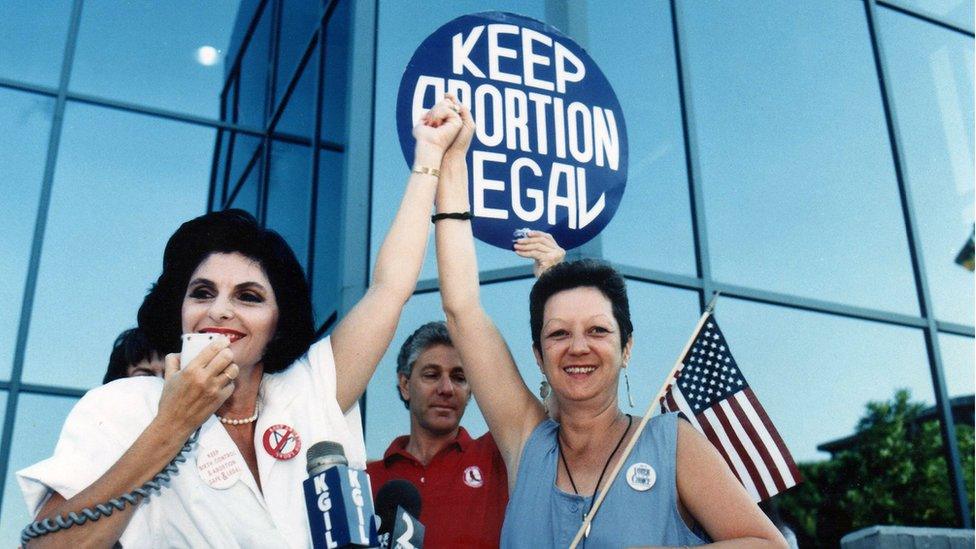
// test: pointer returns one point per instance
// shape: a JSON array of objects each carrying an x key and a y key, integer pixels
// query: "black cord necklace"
[{"x": 559, "y": 443}]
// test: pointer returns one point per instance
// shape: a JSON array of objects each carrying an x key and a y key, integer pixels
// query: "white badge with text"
[{"x": 641, "y": 476}]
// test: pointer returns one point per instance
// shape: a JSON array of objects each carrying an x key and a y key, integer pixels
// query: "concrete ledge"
[{"x": 909, "y": 537}]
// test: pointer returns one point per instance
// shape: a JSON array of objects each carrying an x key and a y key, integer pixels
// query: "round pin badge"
[
  {"x": 641, "y": 476},
  {"x": 219, "y": 466},
  {"x": 282, "y": 442},
  {"x": 473, "y": 478}
]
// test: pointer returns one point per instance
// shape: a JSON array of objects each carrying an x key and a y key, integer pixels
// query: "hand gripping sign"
[{"x": 550, "y": 151}]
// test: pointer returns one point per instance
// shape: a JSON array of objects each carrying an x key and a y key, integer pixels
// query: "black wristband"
[{"x": 453, "y": 215}]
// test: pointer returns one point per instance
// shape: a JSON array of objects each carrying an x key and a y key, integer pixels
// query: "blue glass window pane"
[
  {"x": 23, "y": 147},
  {"x": 247, "y": 195},
  {"x": 958, "y": 364},
  {"x": 335, "y": 85},
  {"x": 157, "y": 54},
  {"x": 326, "y": 261},
  {"x": 957, "y": 12},
  {"x": 401, "y": 28},
  {"x": 290, "y": 195},
  {"x": 796, "y": 169},
  {"x": 244, "y": 148},
  {"x": 32, "y": 38},
  {"x": 252, "y": 91},
  {"x": 108, "y": 223},
  {"x": 814, "y": 373},
  {"x": 663, "y": 321},
  {"x": 299, "y": 21},
  {"x": 930, "y": 71},
  {"x": 36, "y": 430},
  {"x": 645, "y": 80},
  {"x": 299, "y": 115}
]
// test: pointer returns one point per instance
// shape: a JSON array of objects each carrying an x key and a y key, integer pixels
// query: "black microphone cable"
[{"x": 62, "y": 522}]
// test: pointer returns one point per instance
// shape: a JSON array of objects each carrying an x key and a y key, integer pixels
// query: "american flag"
[{"x": 711, "y": 392}]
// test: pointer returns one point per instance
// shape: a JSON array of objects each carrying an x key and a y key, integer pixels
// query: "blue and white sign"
[{"x": 550, "y": 151}]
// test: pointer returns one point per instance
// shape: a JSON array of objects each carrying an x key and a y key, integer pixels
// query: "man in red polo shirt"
[{"x": 462, "y": 481}]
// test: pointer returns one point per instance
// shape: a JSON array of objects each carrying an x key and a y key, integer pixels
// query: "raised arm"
[
  {"x": 510, "y": 409},
  {"x": 361, "y": 338}
]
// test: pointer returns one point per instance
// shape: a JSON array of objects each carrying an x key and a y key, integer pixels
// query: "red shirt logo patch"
[{"x": 473, "y": 478}]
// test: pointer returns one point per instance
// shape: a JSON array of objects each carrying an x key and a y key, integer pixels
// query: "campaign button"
[
  {"x": 641, "y": 476},
  {"x": 282, "y": 442},
  {"x": 219, "y": 466}
]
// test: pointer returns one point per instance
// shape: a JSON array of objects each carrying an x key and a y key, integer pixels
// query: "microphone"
[
  {"x": 338, "y": 500},
  {"x": 398, "y": 506}
]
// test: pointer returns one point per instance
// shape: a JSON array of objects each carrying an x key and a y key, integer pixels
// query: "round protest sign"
[{"x": 550, "y": 150}]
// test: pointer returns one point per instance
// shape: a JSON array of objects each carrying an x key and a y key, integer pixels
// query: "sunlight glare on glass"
[{"x": 208, "y": 56}]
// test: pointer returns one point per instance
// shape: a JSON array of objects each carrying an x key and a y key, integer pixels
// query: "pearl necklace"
[{"x": 245, "y": 421}]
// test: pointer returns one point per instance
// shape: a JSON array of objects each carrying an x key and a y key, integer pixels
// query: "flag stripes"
[{"x": 711, "y": 392}]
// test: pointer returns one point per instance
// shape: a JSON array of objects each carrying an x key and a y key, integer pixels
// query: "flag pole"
[{"x": 588, "y": 519}]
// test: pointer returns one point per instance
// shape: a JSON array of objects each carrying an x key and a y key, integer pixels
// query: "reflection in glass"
[
  {"x": 326, "y": 261},
  {"x": 32, "y": 37},
  {"x": 796, "y": 170},
  {"x": 335, "y": 86},
  {"x": 299, "y": 115},
  {"x": 957, "y": 364},
  {"x": 108, "y": 223},
  {"x": 157, "y": 54},
  {"x": 26, "y": 119},
  {"x": 815, "y": 373},
  {"x": 289, "y": 195},
  {"x": 253, "y": 78},
  {"x": 930, "y": 71},
  {"x": 957, "y": 12},
  {"x": 248, "y": 193},
  {"x": 401, "y": 28},
  {"x": 645, "y": 81},
  {"x": 299, "y": 21},
  {"x": 36, "y": 430}
]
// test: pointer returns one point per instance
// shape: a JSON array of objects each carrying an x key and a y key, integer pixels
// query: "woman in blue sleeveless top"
[{"x": 675, "y": 489}]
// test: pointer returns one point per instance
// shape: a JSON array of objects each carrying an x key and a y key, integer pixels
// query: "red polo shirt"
[{"x": 463, "y": 490}]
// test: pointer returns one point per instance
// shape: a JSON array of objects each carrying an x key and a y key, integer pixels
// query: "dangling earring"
[
  {"x": 630, "y": 399},
  {"x": 544, "y": 390}
]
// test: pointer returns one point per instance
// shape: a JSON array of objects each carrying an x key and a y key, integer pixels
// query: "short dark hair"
[
  {"x": 131, "y": 347},
  {"x": 432, "y": 333},
  {"x": 231, "y": 231},
  {"x": 576, "y": 274}
]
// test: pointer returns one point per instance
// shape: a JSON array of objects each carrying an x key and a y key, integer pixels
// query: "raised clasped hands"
[{"x": 438, "y": 128}]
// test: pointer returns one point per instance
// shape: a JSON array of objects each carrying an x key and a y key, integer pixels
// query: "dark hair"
[
  {"x": 231, "y": 231},
  {"x": 576, "y": 274},
  {"x": 131, "y": 347},
  {"x": 432, "y": 333}
]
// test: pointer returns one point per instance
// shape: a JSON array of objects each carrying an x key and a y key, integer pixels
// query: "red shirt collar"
[{"x": 399, "y": 445}]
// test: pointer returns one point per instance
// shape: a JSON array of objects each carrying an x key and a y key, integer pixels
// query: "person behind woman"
[
  {"x": 260, "y": 396},
  {"x": 133, "y": 356},
  {"x": 582, "y": 340}
]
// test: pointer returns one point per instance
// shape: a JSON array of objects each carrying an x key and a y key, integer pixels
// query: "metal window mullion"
[
  {"x": 925, "y": 16},
  {"x": 40, "y": 225},
  {"x": 690, "y": 141},
  {"x": 264, "y": 184},
  {"x": 943, "y": 405}
]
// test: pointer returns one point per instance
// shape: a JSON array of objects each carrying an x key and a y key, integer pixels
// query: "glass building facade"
[{"x": 813, "y": 161}]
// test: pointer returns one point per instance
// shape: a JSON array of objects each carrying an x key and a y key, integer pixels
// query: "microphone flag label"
[
  {"x": 550, "y": 150},
  {"x": 339, "y": 502}
]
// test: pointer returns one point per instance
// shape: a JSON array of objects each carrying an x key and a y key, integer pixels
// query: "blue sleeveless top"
[{"x": 640, "y": 509}]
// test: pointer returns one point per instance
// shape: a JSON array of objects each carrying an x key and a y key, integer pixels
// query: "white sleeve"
[
  {"x": 99, "y": 429},
  {"x": 322, "y": 365}
]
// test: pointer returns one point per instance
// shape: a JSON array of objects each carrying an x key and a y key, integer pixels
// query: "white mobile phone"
[{"x": 193, "y": 344}]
